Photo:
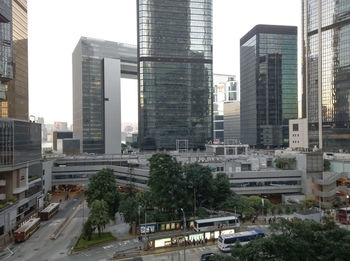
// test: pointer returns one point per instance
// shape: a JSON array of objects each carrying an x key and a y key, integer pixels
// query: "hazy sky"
[{"x": 55, "y": 27}]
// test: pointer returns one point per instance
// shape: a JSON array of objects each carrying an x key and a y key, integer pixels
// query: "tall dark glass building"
[
  {"x": 17, "y": 93},
  {"x": 326, "y": 73},
  {"x": 6, "y": 48},
  {"x": 268, "y": 84},
  {"x": 97, "y": 67},
  {"x": 175, "y": 73},
  {"x": 20, "y": 139}
]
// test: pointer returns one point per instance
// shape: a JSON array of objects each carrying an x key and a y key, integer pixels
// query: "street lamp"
[
  {"x": 183, "y": 212},
  {"x": 347, "y": 219}
]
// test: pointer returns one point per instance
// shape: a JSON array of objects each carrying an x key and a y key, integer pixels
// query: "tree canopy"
[
  {"x": 167, "y": 183},
  {"x": 102, "y": 186},
  {"x": 99, "y": 215},
  {"x": 222, "y": 188},
  {"x": 199, "y": 180},
  {"x": 297, "y": 240}
]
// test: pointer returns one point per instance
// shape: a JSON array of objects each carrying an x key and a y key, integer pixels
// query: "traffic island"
[{"x": 95, "y": 241}]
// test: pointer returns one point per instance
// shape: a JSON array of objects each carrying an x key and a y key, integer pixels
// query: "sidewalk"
[{"x": 137, "y": 253}]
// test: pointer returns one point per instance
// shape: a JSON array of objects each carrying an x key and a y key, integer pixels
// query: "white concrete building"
[{"x": 298, "y": 134}]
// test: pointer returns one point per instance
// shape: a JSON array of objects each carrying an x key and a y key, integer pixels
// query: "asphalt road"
[
  {"x": 193, "y": 254},
  {"x": 39, "y": 246}
]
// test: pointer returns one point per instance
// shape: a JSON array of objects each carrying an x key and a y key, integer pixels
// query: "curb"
[
  {"x": 72, "y": 251},
  {"x": 64, "y": 224}
]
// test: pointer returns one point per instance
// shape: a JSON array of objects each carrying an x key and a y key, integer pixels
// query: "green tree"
[
  {"x": 294, "y": 208},
  {"x": 273, "y": 209},
  {"x": 222, "y": 189},
  {"x": 279, "y": 210},
  {"x": 234, "y": 203},
  {"x": 129, "y": 207},
  {"x": 200, "y": 184},
  {"x": 287, "y": 209},
  {"x": 99, "y": 215},
  {"x": 144, "y": 199},
  {"x": 88, "y": 229},
  {"x": 297, "y": 240},
  {"x": 102, "y": 186},
  {"x": 256, "y": 205},
  {"x": 285, "y": 163},
  {"x": 308, "y": 203},
  {"x": 167, "y": 183}
]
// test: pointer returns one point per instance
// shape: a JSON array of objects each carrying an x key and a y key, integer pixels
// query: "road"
[
  {"x": 191, "y": 254},
  {"x": 40, "y": 247}
]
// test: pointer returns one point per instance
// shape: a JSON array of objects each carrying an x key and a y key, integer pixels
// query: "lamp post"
[
  {"x": 183, "y": 212},
  {"x": 347, "y": 219}
]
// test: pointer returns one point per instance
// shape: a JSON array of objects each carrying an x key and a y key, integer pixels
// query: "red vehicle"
[
  {"x": 344, "y": 215},
  {"x": 49, "y": 211},
  {"x": 28, "y": 228}
]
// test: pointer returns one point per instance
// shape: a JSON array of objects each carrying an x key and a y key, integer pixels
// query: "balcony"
[{"x": 267, "y": 189}]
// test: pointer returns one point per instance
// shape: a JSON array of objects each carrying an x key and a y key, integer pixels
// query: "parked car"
[{"x": 207, "y": 257}]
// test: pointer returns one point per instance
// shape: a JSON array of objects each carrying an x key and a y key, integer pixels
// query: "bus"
[
  {"x": 26, "y": 230},
  {"x": 218, "y": 222},
  {"x": 49, "y": 211},
  {"x": 225, "y": 242},
  {"x": 344, "y": 215}
]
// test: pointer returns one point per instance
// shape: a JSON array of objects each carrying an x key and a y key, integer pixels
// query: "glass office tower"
[
  {"x": 269, "y": 85},
  {"x": 6, "y": 50},
  {"x": 326, "y": 73},
  {"x": 175, "y": 73},
  {"x": 17, "y": 93},
  {"x": 95, "y": 109}
]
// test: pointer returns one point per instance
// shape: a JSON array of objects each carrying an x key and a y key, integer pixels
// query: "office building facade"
[
  {"x": 268, "y": 85},
  {"x": 60, "y": 135},
  {"x": 6, "y": 51},
  {"x": 225, "y": 90},
  {"x": 20, "y": 140},
  {"x": 98, "y": 66},
  {"x": 175, "y": 73},
  {"x": 232, "y": 122},
  {"x": 326, "y": 73}
]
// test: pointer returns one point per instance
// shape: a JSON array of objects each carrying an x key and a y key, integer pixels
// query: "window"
[{"x": 296, "y": 127}]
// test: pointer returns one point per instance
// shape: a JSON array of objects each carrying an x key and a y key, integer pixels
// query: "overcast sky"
[{"x": 55, "y": 27}]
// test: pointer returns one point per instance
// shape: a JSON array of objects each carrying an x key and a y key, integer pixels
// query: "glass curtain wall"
[
  {"x": 335, "y": 74},
  {"x": 268, "y": 85},
  {"x": 17, "y": 92},
  {"x": 175, "y": 73}
]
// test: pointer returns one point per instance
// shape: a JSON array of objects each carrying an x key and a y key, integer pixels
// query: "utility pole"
[
  {"x": 194, "y": 200},
  {"x": 139, "y": 212},
  {"x": 183, "y": 212}
]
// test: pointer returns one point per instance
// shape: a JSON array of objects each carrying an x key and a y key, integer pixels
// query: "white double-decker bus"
[
  {"x": 218, "y": 222},
  {"x": 225, "y": 242}
]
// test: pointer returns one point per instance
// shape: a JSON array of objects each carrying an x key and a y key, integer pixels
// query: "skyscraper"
[
  {"x": 225, "y": 91},
  {"x": 20, "y": 140},
  {"x": 98, "y": 66},
  {"x": 6, "y": 53},
  {"x": 326, "y": 73},
  {"x": 268, "y": 84},
  {"x": 175, "y": 73}
]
